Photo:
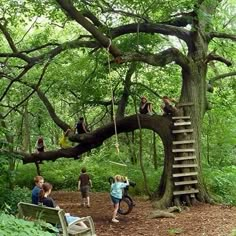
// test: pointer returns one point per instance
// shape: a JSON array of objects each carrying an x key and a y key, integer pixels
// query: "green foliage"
[
  {"x": 221, "y": 184},
  {"x": 175, "y": 231},
  {"x": 9, "y": 225},
  {"x": 63, "y": 174},
  {"x": 10, "y": 198},
  {"x": 76, "y": 83},
  {"x": 233, "y": 233}
]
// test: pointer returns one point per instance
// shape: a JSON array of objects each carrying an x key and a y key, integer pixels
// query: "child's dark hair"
[
  {"x": 45, "y": 188},
  {"x": 83, "y": 170}
]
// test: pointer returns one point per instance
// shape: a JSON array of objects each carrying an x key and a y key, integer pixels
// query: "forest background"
[{"x": 82, "y": 83}]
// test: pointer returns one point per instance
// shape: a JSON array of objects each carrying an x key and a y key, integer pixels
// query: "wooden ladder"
[{"x": 185, "y": 166}]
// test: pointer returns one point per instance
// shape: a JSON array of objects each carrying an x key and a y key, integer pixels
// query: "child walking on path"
[
  {"x": 84, "y": 185},
  {"x": 116, "y": 194}
]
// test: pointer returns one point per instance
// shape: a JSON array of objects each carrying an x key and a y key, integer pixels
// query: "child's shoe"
[{"x": 114, "y": 220}]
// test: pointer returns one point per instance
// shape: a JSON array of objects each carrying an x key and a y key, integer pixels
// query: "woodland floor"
[{"x": 199, "y": 220}]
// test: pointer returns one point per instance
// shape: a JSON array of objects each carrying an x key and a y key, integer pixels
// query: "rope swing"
[{"x": 112, "y": 97}]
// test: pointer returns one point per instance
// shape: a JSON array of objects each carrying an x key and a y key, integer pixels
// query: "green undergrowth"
[
  {"x": 64, "y": 173},
  {"x": 221, "y": 184},
  {"x": 11, "y": 226}
]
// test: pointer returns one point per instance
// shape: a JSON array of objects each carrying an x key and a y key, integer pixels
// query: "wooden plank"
[
  {"x": 182, "y": 123},
  {"x": 180, "y": 117},
  {"x": 183, "y": 150},
  {"x": 190, "y": 191},
  {"x": 185, "y": 104},
  {"x": 187, "y": 182},
  {"x": 185, "y": 174},
  {"x": 185, "y": 158},
  {"x": 185, "y": 165},
  {"x": 178, "y": 131},
  {"x": 183, "y": 142}
]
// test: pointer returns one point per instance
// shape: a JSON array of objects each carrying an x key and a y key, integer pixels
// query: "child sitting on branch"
[{"x": 167, "y": 107}]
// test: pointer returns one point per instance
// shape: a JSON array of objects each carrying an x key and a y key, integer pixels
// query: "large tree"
[{"x": 148, "y": 32}]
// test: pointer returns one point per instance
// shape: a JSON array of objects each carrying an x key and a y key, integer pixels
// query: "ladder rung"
[
  {"x": 178, "y": 131},
  {"x": 185, "y": 158},
  {"x": 180, "y": 117},
  {"x": 182, "y": 123},
  {"x": 187, "y": 182},
  {"x": 184, "y": 165},
  {"x": 185, "y": 104},
  {"x": 184, "y": 150},
  {"x": 185, "y": 174},
  {"x": 183, "y": 142},
  {"x": 186, "y": 192}
]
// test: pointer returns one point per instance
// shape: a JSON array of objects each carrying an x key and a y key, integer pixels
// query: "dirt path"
[{"x": 200, "y": 220}]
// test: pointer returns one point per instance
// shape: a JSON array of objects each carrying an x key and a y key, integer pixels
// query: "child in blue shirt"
[{"x": 116, "y": 194}]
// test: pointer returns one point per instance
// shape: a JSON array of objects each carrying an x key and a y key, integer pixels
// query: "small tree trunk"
[{"x": 154, "y": 152}]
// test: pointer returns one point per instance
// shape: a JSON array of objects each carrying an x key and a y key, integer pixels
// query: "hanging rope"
[{"x": 112, "y": 97}]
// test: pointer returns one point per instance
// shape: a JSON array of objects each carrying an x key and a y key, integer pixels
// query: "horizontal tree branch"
[
  {"x": 94, "y": 139},
  {"x": 222, "y": 35},
  {"x": 215, "y": 57},
  {"x": 151, "y": 28},
  {"x": 160, "y": 59},
  {"x": 222, "y": 76}
]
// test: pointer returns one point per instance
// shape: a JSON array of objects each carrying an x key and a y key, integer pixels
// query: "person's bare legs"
[
  {"x": 88, "y": 201},
  {"x": 116, "y": 207}
]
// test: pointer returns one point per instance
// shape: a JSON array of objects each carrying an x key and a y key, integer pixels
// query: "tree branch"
[
  {"x": 222, "y": 35},
  {"x": 25, "y": 70},
  {"x": 92, "y": 17},
  {"x": 8, "y": 38},
  {"x": 147, "y": 88},
  {"x": 60, "y": 123},
  {"x": 68, "y": 7},
  {"x": 161, "y": 59},
  {"x": 222, "y": 76},
  {"x": 215, "y": 57},
  {"x": 27, "y": 97},
  {"x": 152, "y": 28},
  {"x": 180, "y": 21},
  {"x": 94, "y": 139}
]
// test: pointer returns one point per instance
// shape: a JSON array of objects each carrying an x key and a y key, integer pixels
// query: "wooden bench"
[{"x": 57, "y": 217}]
